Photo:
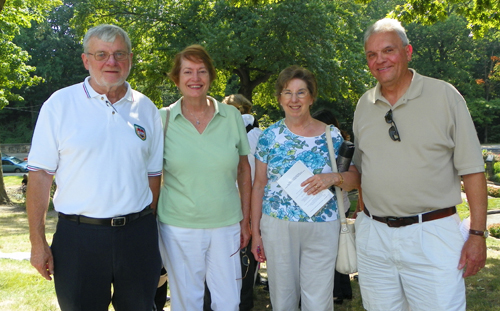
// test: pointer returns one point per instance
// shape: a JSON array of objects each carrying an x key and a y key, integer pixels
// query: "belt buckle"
[
  {"x": 394, "y": 221},
  {"x": 118, "y": 221}
]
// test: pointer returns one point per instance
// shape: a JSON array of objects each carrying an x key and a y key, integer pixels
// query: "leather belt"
[
  {"x": 117, "y": 221},
  {"x": 396, "y": 222}
]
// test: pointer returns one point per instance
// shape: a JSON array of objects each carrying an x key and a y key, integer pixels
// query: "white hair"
[{"x": 387, "y": 25}]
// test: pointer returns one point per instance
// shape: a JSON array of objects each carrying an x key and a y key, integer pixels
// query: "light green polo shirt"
[
  {"x": 199, "y": 188},
  {"x": 438, "y": 144}
]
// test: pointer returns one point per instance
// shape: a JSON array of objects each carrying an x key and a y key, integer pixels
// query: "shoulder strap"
[
  {"x": 167, "y": 118},
  {"x": 165, "y": 127},
  {"x": 338, "y": 191}
]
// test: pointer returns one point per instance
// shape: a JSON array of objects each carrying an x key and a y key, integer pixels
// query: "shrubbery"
[{"x": 494, "y": 230}]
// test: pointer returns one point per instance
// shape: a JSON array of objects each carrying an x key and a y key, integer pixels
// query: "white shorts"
[
  {"x": 412, "y": 266},
  {"x": 196, "y": 255}
]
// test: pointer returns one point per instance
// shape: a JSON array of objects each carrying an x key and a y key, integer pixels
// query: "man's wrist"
[{"x": 484, "y": 233}]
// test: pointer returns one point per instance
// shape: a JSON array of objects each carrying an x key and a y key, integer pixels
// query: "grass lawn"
[{"x": 21, "y": 287}]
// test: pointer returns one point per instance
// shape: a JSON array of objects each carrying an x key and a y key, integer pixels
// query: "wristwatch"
[{"x": 484, "y": 233}]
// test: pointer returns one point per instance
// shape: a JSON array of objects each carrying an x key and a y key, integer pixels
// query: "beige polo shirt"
[{"x": 438, "y": 144}]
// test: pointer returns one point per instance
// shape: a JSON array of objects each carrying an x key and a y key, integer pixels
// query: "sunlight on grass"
[
  {"x": 12, "y": 181},
  {"x": 21, "y": 288},
  {"x": 14, "y": 236}
]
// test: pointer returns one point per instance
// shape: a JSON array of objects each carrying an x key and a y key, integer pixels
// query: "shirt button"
[
  {"x": 113, "y": 112},
  {"x": 102, "y": 98}
]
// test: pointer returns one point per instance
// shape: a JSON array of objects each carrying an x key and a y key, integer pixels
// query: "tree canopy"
[
  {"x": 14, "y": 72},
  {"x": 481, "y": 15},
  {"x": 253, "y": 42}
]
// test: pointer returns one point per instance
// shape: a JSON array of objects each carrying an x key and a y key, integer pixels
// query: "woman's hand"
[
  {"x": 258, "y": 249},
  {"x": 319, "y": 182},
  {"x": 245, "y": 233}
]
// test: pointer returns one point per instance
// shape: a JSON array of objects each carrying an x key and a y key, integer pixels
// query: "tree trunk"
[
  {"x": 4, "y": 198},
  {"x": 247, "y": 85},
  {"x": 2, "y": 2}
]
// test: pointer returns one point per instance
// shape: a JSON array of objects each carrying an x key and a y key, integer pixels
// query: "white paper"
[
  {"x": 464, "y": 228},
  {"x": 291, "y": 181}
]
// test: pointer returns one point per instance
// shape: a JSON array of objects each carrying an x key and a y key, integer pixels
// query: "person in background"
[
  {"x": 103, "y": 142},
  {"x": 415, "y": 140},
  {"x": 248, "y": 263},
  {"x": 300, "y": 249},
  {"x": 251, "y": 124},
  {"x": 204, "y": 216},
  {"x": 341, "y": 282}
]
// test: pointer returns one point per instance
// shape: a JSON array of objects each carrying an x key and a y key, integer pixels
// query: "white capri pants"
[
  {"x": 196, "y": 255},
  {"x": 413, "y": 266},
  {"x": 300, "y": 262}
]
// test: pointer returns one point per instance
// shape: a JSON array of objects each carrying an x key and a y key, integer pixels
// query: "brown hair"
[
  {"x": 296, "y": 72},
  {"x": 194, "y": 53},
  {"x": 239, "y": 101}
]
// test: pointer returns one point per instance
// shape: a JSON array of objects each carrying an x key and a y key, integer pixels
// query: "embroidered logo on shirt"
[{"x": 140, "y": 131}]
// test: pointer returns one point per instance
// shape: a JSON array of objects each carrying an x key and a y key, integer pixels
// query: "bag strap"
[
  {"x": 165, "y": 127},
  {"x": 338, "y": 191}
]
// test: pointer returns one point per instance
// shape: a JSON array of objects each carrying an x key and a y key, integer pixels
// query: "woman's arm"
[
  {"x": 259, "y": 184},
  {"x": 346, "y": 180},
  {"x": 245, "y": 187}
]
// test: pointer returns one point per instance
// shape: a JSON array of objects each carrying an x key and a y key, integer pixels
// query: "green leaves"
[
  {"x": 14, "y": 72},
  {"x": 481, "y": 15}
]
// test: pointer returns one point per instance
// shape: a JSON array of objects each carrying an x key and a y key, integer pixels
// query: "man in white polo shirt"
[
  {"x": 103, "y": 142},
  {"x": 411, "y": 252}
]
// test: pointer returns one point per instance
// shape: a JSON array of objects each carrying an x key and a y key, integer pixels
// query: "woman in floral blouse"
[{"x": 300, "y": 250}]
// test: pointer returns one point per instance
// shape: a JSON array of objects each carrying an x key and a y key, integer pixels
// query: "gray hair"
[
  {"x": 106, "y": 33},
  {"x": 387, "y": 25}
]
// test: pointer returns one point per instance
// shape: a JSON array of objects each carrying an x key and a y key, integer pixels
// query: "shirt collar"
[
  {"x": 91, "y": 93},
  {"x": 176, "y": 110},
  {"x": 413, "y": 91}
]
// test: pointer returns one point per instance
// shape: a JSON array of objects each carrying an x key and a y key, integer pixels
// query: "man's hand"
[
  {"x": 473, "y": 256},
  {"x": 42, "y": 260},
  {"x": 37, "y": 201}
]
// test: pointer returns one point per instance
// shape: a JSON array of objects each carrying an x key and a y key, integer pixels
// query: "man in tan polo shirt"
[{"x": 414, "y": 141}]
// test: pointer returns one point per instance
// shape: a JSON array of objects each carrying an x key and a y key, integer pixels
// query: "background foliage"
[{"x": 251, "y": 41}]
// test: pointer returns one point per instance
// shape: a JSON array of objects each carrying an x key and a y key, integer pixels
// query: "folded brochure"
[{"x": 290, "y": 182}]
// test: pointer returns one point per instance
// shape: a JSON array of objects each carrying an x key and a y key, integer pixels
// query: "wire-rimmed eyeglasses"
[
  {"x": 393, "y": 130},
  {"x": 300, "y": 94},
  {"x": 104, "y": 56},
  {"x": 245, "y": 260}
]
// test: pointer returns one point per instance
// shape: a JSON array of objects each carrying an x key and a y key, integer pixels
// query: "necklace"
[{"x": 197, "y": 120}]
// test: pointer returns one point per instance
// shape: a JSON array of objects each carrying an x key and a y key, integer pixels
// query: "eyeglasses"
[
  {"x": 289, "y": 95},
  {"x": 393, "y": 130},
  {"x": 104, "y": 56},
  {"x": 245, "y": 260}
]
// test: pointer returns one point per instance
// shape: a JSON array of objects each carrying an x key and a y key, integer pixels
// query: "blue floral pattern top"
[{"x": 279, "y": 148}]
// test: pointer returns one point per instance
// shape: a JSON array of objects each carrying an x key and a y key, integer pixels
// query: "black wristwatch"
[{"x": 484, "y": 233}]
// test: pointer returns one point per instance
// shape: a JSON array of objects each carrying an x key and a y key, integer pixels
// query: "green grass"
[
  {"x": 23, "y": 289},
  {"x": 12, "y": 181}
]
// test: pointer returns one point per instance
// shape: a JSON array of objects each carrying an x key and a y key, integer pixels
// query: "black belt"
[
  {"x": 396, "y": 222},
  {"x": 117, "y": 221}
]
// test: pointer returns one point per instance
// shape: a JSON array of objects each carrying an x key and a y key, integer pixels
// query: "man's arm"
[
  {"x": 154, "y": 185},
  {"x": 37, "y": 202},
  {"x": 474, "y": 251}
]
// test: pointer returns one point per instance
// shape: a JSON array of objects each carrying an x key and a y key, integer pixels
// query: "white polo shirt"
[{"x": 101, "y": 153}]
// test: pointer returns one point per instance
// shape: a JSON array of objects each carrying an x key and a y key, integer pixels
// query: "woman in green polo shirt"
[{"x": 204, "y": 216}]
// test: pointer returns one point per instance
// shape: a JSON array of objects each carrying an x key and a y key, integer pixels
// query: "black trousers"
[{"x": 89, "y": 258}]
